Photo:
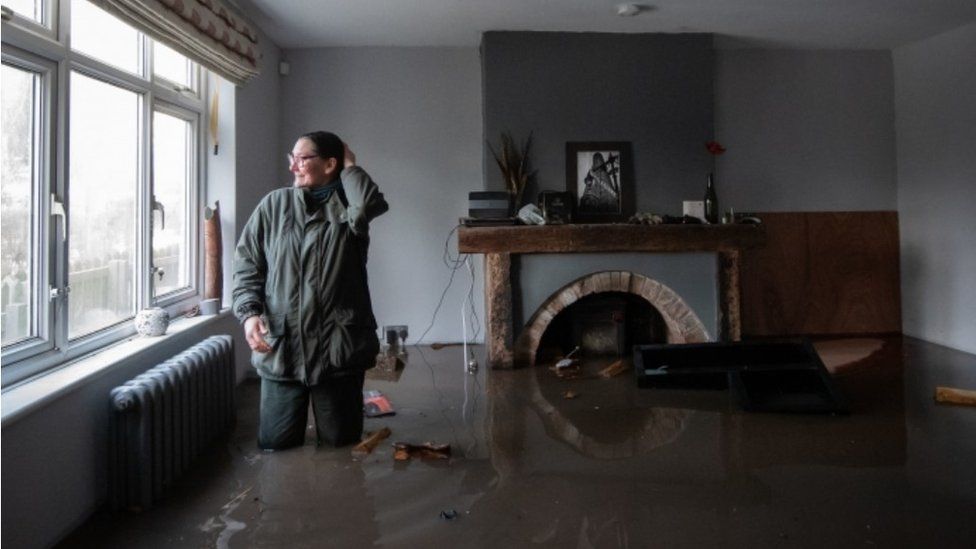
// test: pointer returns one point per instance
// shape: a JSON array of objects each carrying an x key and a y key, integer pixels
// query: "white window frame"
[
  {"x": 193, "y": 206},
  {"x": 47, "y": 26},
  {"x": 35, "y": 47},
  {"x": 193, "y": 91},
  {"x": 43, "y": 253}
]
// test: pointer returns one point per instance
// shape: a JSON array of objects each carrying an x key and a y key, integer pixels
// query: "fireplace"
[
  {"x": 598, "y": 325},
  {"x": 656, "y": 315},
  {"x": 601, "y": 325},
  {"x": 510, "y": 345}
]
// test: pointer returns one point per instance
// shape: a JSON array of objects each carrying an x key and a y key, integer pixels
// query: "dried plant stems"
[{"x": 514, "y": 164}]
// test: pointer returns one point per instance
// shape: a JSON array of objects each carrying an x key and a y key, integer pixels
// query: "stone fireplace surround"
[
  {"x": 683, "y": 325},
  {"x": 499, "y": 244}
]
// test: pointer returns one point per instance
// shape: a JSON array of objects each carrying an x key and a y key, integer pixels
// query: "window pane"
[
  {"x": 170, "y": 65},
  {"x": 104, "y": 177},
  {"x": 31, "y": 9},
  {"x": 172, "y": 146},
  {"x": 17, "y": 205},
  {"x": 96, "y": 33}
]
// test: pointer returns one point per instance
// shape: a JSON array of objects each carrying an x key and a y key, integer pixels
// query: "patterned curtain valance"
[{"x": 203, "y": 30}]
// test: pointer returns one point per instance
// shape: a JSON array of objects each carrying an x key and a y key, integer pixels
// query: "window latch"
[
  {"x": 57, "y": 210},
  {"x": 157, "y": 205},
  {"x": 60, "y": 293}
]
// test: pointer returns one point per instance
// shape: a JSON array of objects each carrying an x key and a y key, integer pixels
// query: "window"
[
  {"x": 173, "y": 169},
  {"x": 18, "y": 273},
  {"x": 103, "y": 224},
  {"x": 30, "y": 9},
  {"x": 104, "y": 181},
  {"x": 169, "y": 65},
  {"x": 97, "y": 34}
]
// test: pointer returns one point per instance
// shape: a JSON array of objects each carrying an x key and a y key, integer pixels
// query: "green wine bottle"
[{"x": 711, "y": 201}]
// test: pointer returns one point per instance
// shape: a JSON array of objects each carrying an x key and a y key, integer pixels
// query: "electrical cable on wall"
[
  {"x": 470, "y": 404},
  {"x": 454, "y": 263}
]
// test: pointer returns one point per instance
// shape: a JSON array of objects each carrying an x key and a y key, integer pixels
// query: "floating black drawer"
[{"x": 781, "y": 376}]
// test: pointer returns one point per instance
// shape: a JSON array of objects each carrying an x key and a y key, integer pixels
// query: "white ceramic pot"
[{"x": 152, "y": 321}]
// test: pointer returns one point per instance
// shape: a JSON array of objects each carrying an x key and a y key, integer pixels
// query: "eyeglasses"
[{"x": 300, "y": 160}]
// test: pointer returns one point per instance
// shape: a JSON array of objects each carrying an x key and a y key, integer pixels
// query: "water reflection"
[
  {"x": 604, "y": 420},
  {"x": 616, "y": 467}
]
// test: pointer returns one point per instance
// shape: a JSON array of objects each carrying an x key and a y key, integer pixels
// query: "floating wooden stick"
[
  {"x": 955, "y": 396},
  {"x": 370, "y": 442},
  {"x": 614, "y": 369},
  {"x": 439, "y": 346}
]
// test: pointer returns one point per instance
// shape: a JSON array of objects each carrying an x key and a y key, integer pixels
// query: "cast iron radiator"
[{"x": 164, "y": 417}]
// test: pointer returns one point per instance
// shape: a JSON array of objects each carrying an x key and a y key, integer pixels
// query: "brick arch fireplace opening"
[{"x": 681, "y": 323}]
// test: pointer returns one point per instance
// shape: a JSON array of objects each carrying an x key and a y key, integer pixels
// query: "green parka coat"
[{"x": 303, "y": 266}]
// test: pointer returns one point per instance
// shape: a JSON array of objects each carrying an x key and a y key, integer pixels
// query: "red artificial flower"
[{"x": 715, "y": 148}]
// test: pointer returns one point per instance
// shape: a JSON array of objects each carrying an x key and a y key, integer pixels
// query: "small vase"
[{"x": 152, "y": 321}]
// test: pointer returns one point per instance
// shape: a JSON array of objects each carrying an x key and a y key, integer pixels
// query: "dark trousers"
[{"x": 337, "y": 404}]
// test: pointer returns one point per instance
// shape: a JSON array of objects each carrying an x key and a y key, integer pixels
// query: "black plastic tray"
[{"x": 781, "y": 376}]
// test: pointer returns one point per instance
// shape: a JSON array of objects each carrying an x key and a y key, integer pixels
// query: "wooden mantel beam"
[
  {"x": 499, "y": 244},
  {"x": 609, "y": 238}
]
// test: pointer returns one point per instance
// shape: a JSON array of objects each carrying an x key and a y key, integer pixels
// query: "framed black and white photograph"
[
  {"x": 600, "y": 176},
  {"x": 557, "y": 207}
]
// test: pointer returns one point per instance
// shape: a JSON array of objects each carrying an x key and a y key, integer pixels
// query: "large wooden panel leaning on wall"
[{"x": 823, "y": 273}]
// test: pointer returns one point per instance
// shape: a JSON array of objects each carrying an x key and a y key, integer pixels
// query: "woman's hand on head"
[{"x": 349, "y": 156}]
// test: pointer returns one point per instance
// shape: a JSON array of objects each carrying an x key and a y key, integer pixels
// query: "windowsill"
[{"x": 31, "y": 394}]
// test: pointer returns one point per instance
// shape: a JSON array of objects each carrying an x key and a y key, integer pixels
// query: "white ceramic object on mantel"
[{"x": 152, "y": 321}]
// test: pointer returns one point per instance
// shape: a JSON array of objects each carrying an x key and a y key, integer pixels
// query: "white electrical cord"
[
  {"x": 464, "y": 340},
  {"x": 464, "y": 360},
  {"x": 453, "y": 263}
]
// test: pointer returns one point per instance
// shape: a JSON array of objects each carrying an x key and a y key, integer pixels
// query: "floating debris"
[
  {"x": 375, "y": 404},
  {"x": 570, "y": 395},
  {"x": 952, "y": 395},
  {"x": 614, "y": 369},
  {"x": 402, "y": 451},
  {"x": 371, "y": 441}
]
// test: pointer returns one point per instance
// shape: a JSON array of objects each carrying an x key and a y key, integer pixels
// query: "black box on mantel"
[{"x": 488, "y": 204}]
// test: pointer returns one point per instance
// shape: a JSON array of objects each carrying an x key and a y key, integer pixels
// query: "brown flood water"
[{"x": 617, "y": 466}]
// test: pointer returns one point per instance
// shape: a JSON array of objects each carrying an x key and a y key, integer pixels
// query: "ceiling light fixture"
[{"x": 630, "y": 10}]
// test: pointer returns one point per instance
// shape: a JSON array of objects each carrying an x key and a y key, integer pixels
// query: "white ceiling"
[{"x": 804, "y": 24}]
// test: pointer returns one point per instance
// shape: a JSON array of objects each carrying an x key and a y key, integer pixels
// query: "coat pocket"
[
  {"x": 353, "y": 344},
  {"x": 275, "y": 361},
  {"x": 277, "y": 326}
]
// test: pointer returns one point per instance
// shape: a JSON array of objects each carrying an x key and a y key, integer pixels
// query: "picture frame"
[
  {"x": 557, "y": 207},
  {"x": 600, "y": 176}
]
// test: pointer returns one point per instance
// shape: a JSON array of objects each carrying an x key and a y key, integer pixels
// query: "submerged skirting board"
[{"x": 823, "y": 273}]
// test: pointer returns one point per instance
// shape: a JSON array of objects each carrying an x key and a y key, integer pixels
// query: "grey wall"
[
  {"x": 935, "y": 83},
  {"x": 222, "y": 176},
  {"x": 413, "y": 118},
  {"x": 260, "y": 154},
  {"x": 654, "y": 90},
  {"x": 805, "y": 130}
]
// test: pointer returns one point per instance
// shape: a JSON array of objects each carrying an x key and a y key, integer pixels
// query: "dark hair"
[{"x": 327, "y": 145}]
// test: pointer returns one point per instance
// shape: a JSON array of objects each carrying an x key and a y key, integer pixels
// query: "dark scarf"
[{"x": 323, "y": 193}]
